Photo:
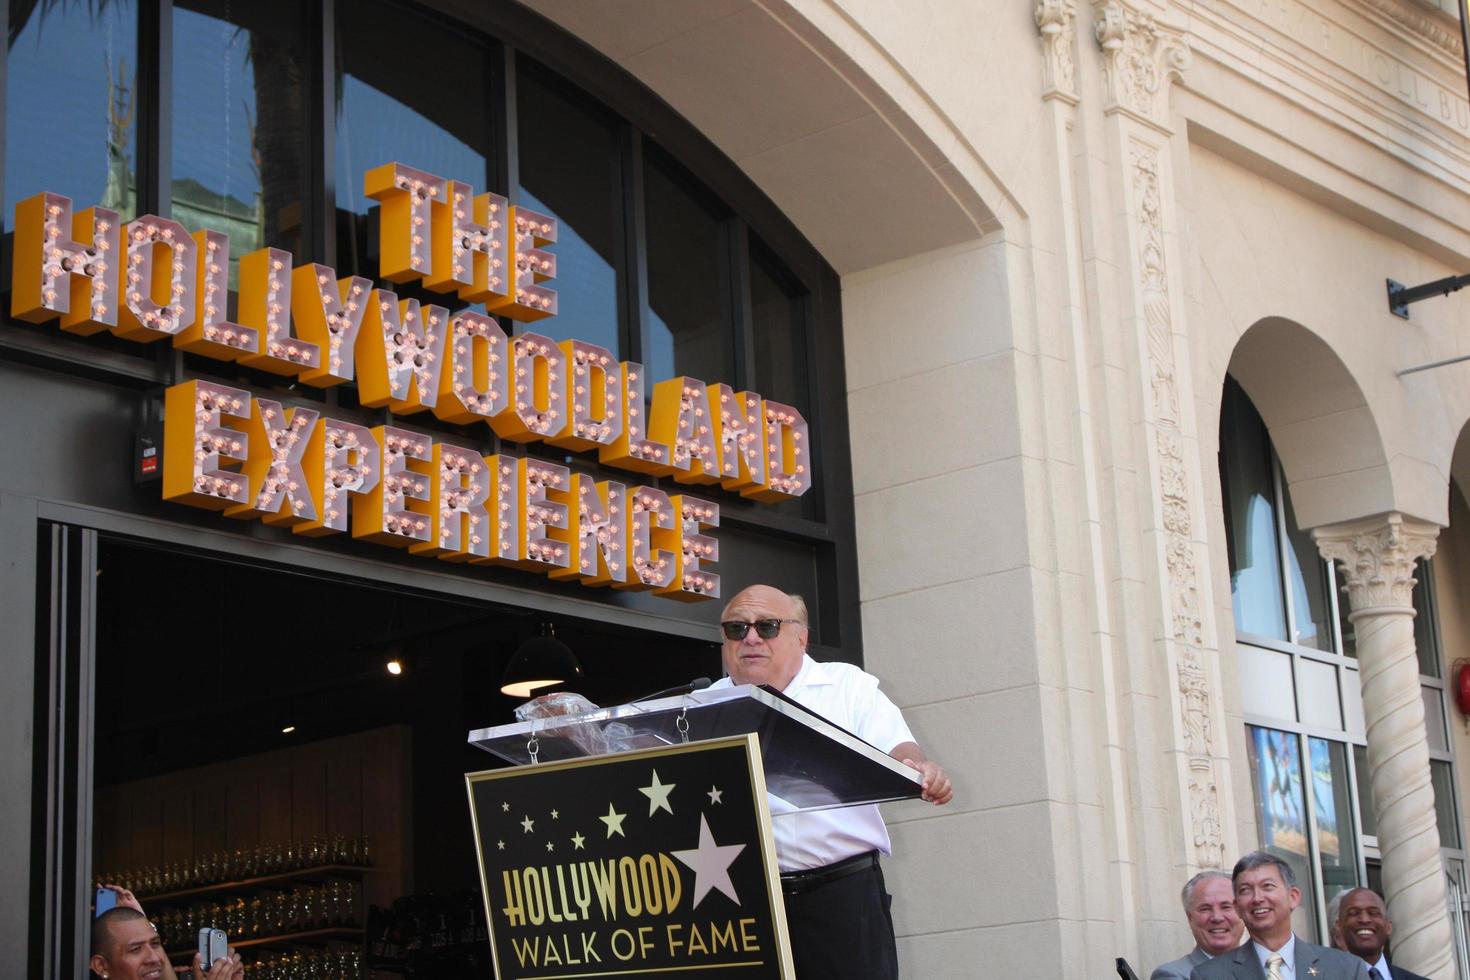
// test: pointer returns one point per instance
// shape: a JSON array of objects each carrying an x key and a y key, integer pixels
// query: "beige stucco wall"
[{"x": 1051, "y": 253}]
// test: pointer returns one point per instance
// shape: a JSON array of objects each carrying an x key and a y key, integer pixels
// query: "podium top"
[{"x": 810, "y": 763}]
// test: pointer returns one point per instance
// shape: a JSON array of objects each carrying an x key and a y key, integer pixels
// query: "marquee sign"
[
  {"x": 639, "y": 864},
  {"x": 251, "y": 457}
]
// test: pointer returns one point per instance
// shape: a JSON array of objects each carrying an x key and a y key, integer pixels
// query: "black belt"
[{"x": 796, "y": 882}]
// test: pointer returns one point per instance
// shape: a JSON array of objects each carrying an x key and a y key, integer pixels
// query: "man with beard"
[
  {"x": 1209, "y": 907},
  {"x": 1363, "y": 928},
  {"x": 125, "y": 946},
  {"x": 1265, "y": 896}
]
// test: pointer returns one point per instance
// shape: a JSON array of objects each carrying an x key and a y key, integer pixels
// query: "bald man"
[
  {"x": 837, "y": 908},
  {"x": 1362, "y": 927}
]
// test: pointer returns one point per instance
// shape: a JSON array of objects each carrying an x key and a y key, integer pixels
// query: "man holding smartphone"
[{"x": 125, "y": 946}]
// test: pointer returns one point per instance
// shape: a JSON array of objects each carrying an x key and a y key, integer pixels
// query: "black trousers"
[{"x": 843, "y": 929}]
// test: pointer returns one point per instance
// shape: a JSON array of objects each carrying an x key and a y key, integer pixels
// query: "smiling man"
[
  {"x": 1364, "y": 928},
  {"x": 837, "y": 908},
  {"x": 125, "y": 946},
  {"x": 1209, "y": 906},
  {"x": 1265, "y": 896}
]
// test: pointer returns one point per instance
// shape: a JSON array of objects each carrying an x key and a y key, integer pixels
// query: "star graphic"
[
  {"x": 714, "y": 794},
  {"x": 550, "y": 846},
  {"x": 658, "y": 795},
  {"x": 614, "y": 821},
  {"x": 500, "y": 844},
  {"x": 711, "y": 863},
  {"x": 505, "y": 808},
  {"x": 528, "y": 823},
  {"x": 577, "y": 840},
  {"x": 555, "y": 815}
]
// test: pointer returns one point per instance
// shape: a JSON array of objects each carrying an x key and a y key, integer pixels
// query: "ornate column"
[
  {"x": 1141, "y": 57},
  {"x": 1377, "y": 559}
]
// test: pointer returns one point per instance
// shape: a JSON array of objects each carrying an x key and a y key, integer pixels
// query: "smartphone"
[
  {"x": 106, "y": 901},
  {"x": 213, "y": 945}
]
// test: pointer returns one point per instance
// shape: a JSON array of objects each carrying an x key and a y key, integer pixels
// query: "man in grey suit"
[
  {"x": 1209, "y": 907},
  {"x": 1362, "y": 927},
  {"x": 1265, "y": 896}
]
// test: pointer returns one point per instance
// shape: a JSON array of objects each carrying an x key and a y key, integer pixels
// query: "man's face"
[
  {"x": 1212, "y": 916},
  {"x": 1364, "y": 923},
  {"x": 136, "y": 952},
  {"x": 753, "y": 660},
  {"x": 1265, "y": 902}
]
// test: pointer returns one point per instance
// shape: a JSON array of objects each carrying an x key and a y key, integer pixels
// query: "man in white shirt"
[
  {"x": 1265, "y": 896},
  {"x": 837, "y": 908}
]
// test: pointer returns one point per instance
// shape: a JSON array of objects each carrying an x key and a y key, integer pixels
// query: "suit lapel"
[{"x": 1248, "y": 964}]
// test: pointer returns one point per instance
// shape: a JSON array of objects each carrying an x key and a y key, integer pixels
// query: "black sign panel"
[{"x": 638, "y": 864}]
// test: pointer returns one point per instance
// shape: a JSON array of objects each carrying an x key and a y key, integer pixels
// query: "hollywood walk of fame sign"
[{"x": 645, "y": 863}]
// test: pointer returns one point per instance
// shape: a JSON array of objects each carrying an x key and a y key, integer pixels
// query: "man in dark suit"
[
  {"x": 1265, "y": 896},
  {"x": 1209, "y": 907},
  {"x": 1363, "y": 928}
]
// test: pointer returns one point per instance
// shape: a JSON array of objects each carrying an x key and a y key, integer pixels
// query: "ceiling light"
[
  {"x": 395, "y": 666},
  {"x": 288, "y": 729},
  {"x": 541, "y": 662}
]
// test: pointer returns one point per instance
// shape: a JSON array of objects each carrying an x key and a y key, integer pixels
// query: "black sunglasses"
[{"x": 766, "y": 629}]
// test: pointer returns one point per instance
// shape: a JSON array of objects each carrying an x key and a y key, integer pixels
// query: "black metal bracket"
[{"x": 1400, "y": 296}]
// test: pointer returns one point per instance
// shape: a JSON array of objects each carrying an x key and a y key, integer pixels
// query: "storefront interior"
[{"x": 258, "y": 765}]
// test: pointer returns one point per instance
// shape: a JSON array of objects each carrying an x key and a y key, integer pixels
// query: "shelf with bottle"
[
  {"x": 209, "y": 871},
  {"x": 268, "y": 915}
]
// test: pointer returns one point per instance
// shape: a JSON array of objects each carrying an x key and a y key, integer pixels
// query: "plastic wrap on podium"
[{"x": 809, "y": 762}]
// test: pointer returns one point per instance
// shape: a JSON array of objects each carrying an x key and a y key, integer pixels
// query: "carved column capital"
[
  {"x": 1140, "y": 58},
  {"x": 1057, "y": 22},
  {"x": 1377, "y": 558}
]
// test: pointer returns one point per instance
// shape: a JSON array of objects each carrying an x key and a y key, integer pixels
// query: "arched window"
[{"x": 1300, "y": 694}]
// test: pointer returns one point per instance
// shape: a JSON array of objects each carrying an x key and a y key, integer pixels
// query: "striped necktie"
[
  {"x": 1273, "y": 966},
  {"x": 1373, "y": 973}
]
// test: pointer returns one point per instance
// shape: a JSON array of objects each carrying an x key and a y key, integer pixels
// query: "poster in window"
[{"x": 1279, "y": 798}]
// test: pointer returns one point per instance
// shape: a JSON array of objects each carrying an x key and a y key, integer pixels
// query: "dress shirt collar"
[
  {"x": 1382, "y": 967},
  {"x": 1288, "y": 954}
]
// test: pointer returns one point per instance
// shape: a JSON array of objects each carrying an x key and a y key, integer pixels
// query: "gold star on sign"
[
  {"x": 500, "y": 844},
  {"x": 577, "y": 840},
  {"x": 505, "y": 808},
  {"x": 658, "y": 795},
  {"x": 714, "y": 795},
  {"x": 528, "y": 823},
  {"x": 614, "y": 821},
  {"x": 555, "y": 815},
  {"x": 550, "y": 846}
]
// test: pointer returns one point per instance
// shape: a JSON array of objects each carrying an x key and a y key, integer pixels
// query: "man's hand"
[
  {"x": 126, "y": 899},
  {"x": 937, "y": 789},
  {"x": 228, "y": 968}
]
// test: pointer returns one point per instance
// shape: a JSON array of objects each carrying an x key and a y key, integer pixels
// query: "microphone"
[{"x": 698, "y": 684}]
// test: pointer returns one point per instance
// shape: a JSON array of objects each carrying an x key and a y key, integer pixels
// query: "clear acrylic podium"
[{"x": 809, "y": 763}]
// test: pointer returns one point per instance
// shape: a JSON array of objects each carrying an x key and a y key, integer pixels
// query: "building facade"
[{"x": 1126, "y": 486}]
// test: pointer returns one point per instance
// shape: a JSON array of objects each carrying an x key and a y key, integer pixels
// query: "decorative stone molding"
[
  {"x": 1377, "y": 559},
  {"x": 1186, "y": 619},
  {"x": 1057, "y": 22},
  {"x": 1428, "y": 27},
  {"x": 1140, "y": 58}
]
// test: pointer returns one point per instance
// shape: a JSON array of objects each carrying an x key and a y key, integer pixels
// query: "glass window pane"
[
  {"x": 71, "y": 104},
  {"x": 1426, "y": 641},
  {"x": 1335, "y": 834},
  {"x": 778, "y": 323},
  {"x": 1266, "y": 687},
  {"x": 568, "y": 169},
  {"x": 1250, "y": 518},
  {"x": 1317, "y": 691},
  {"x": 1307, "y": 571},
  {"x": 1352, "y": 703},
  {"x": 1434, "y": 727},
  {"x": 239, "y": 148},
  {"x": 1365, "y": 791},
  {"x": 389, "y": 108},
  {"x": 1444, "y": 803},
  {"x": 687, "y": 282},
  {"x": 1281, "y": 812}
]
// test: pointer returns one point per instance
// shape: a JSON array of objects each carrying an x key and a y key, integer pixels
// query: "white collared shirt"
[
  {"x": 1382, "y": 967},
  {"x": 848, "y": 697},
  {"x": 1288, "y": 954}
]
